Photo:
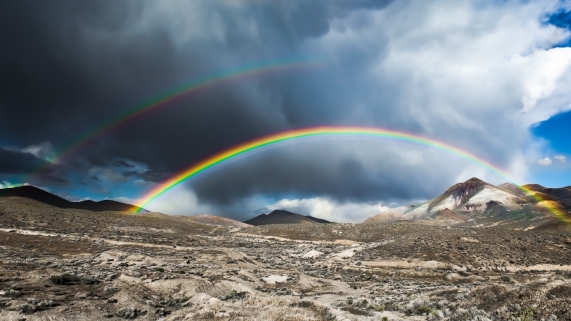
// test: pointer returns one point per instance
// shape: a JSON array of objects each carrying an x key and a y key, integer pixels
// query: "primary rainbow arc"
[{"x": 255, "y": 144}]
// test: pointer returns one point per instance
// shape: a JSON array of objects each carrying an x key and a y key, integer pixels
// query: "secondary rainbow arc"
[
  {"x": 255, "y": 144},
  {"x": 164, "y": 98}
]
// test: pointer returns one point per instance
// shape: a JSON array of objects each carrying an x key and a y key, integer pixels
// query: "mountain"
[
  {"x": 390, "y": 215},
  {"x": 284, "y": 217},
  {"x": 477, "y": 203},
  {"x": 463, "y": 200},
  {"x": 40, "y": 195}
]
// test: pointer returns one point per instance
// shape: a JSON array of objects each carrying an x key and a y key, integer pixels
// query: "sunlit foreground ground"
[{"x": 78, "y": 265}]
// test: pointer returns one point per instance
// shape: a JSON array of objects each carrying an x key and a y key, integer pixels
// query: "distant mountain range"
[
  {"x": 284, "y": 217},
  {"x": 470, "y": 203},
  {"x": 477, "y": 203},
  {"x": 40, "y": 195}
]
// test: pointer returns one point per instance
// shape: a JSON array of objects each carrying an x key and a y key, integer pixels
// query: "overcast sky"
[{"x": 490, "y": 77}]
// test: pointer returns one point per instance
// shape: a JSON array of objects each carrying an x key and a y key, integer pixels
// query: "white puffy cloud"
[
  {"x": 42, "y": 150},
  {"x": 178, "y": 201},
  {"x": 330, "y": 210},
  {"x": 545, "y": 161},
  {"x": 560, "y": 158},
  {"x": 475, "y": 76}
]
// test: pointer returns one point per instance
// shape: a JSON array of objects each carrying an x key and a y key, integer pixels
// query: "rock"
[
  {"x": 506, "y": 278},
  {"x": 312, "y": 254},
  {"x": 26, "y": 308},
  {"x": 214, "y": 302},
  {"x": 161, "y": 312},
  {"x": 130, "y": 313},
  {"x": 452, "y": 277}
]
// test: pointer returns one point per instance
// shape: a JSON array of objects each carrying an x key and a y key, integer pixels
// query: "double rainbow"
[{"x": 328, "y": 131}]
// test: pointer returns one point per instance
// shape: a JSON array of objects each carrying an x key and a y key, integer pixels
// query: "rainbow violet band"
[
  {"x": 325, "y": 131},
  {"x": 163, "y": 99}
]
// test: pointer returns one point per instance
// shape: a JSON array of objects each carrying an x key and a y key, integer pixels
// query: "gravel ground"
[{"x": 60, "y": 264}]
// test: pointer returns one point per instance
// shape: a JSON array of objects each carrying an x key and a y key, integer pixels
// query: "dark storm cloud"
[
  {"x": 41, "y": 88},
  {"x": 123, "y": 163},
  {"x": 14, "y": 162},
  {"x": 69, "y": 65},
  {"x": 311, "y": 18},
  {"x": 130, "y": 173},
  {"x": 345, "y": 180},
  {"x": 58, "y": 79},
  {"x": 72, "y": 64}
]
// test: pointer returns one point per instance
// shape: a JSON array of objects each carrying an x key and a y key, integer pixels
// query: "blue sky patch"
[{"x": 561, "y": 19}]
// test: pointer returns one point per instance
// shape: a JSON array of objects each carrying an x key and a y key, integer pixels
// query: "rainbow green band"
[
  {"x": 230, "y": 153},
  {"x": 180, "y": 91}
]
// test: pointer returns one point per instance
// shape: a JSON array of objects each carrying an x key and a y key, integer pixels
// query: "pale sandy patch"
[
  {"x": 345, "y": 242},
  {"x": 28, "y": 232},
  {"x": 145, "y": 229},
  {"x": 546, "y": 267},
  {"x": 344, "y": 254},
  {"x": 469, "y": 239},
  {"x": 312, "y": 254},
  {"x": 406, "y": 264},
  {"x": 273, "y": 279}
]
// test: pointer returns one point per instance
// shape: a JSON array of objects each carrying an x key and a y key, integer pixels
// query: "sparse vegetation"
[
  {"x": 471, "y": 314},
  {"x": 519, "y": 313},
  {"x": 356, "y": 311},
  {"x": 69, "y": 279},
  {"x": 234, "y": 295},
  {"x": 421, "y": 310}
]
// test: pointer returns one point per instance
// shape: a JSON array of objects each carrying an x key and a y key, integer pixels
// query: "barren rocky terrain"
[{"x": 69, "y": 264}]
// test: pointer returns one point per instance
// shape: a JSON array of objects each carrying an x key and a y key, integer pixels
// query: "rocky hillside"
[
  {"x": 477, "y": 203},
  {"x": 283, "y": 217}
]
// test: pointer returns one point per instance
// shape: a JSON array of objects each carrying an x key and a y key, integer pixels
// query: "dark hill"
[
  {"x": 283, "y": 217},
  {"x": 561, "y": 195},
  {"x": 40, "y": 195}
]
